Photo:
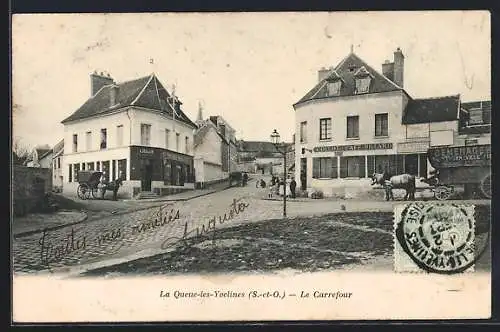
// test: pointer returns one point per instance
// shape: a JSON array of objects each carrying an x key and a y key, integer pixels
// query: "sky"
[{"x": 250, "y": 68}]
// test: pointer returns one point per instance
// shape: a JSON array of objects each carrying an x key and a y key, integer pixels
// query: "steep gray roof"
[{"x": 145, "y": 92}]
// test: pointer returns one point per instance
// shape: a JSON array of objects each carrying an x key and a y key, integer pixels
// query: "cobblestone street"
[{"x": 115, "y": 239}]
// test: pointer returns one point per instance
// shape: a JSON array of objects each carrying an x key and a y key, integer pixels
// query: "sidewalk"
[{"x": 37, "y": 222}]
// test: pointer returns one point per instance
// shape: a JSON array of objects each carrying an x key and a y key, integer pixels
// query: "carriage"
[
  {"x": 469, "y": 166},
  {"x": 88, "y": 184}
]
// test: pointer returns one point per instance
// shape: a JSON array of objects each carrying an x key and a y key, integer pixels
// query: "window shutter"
[
  {"x": 316, "y": 162},
  {"x": 362, "y": 168},
  {"x": 343, "y": 167}
]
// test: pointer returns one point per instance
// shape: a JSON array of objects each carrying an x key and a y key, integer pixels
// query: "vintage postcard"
[{"x": 173, "y": 167}]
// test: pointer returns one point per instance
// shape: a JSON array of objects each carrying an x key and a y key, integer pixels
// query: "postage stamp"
[{"x": 434, "y": 237}]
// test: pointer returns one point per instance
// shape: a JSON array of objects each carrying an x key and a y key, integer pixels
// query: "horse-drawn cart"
[
  {"x": 464, "y": 165},
  {"x": 88, "y": 184}
]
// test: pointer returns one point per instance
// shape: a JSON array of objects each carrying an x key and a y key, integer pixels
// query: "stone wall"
[{"x": 29, "y": 185}]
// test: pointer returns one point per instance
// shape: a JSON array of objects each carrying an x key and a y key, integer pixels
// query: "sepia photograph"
[{"x": 251, "y": 166}]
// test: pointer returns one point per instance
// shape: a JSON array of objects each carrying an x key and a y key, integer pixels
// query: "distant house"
[
  {"x": 40, "y": 157},
  {"x": 261, "y": 157},
  {"x": 215, "y": 151},
  {"x": 57, "y": 162}
]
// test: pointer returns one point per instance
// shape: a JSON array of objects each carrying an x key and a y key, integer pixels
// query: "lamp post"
[{"x": 283, "y": 149}]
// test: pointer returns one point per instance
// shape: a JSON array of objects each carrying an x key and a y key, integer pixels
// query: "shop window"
[
  {"x": 76, "y": 168},
  {"x": 83, "y": 166},
  {"x": 393, "y": 164},
  {"x": 303, "y": 132},
  {"x": 325, "y": 129},
  {"x": 145, "y": 134},
  {"x": 122, "y": 168},
  {"x": 105, "y": 168},
  {"x": 104, "y": 138},
  {"x": 90, "y": 166},
  {"x": 113, "y": 170},
  {"x": 352, "y": 167},
  {"x": 411, "y": 164},
  {"x": 98, "y": 166},
  {"x": 70, "y": 173},
  {"x": 381, "y": 124},
  {"x": 325, "y": 168},
  {"x": 75, "y": 143},
  {"x": 353, "y": 126}
]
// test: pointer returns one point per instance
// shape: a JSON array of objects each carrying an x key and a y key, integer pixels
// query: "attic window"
[
  {"x": 352, "y": 67},
  {"x": 363, "y": 84},
  {"x": 334, "y": 88}
]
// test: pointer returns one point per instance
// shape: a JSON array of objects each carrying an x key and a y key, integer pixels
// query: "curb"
[{"x": 28, "y": 233}]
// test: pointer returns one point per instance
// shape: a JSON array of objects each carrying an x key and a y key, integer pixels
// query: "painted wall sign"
[
  {"x": 479, "y": 155},
  {"x": 353, "y": 147}
]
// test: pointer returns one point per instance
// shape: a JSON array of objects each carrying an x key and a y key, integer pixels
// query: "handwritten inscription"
[
  {"x": 52, "y": 251},
  {"x": 236, "y": 207}
]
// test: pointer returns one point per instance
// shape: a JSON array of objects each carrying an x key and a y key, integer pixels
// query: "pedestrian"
[
  {"x": 293, "y": 185},
  {"x": 245, "y": 179}
]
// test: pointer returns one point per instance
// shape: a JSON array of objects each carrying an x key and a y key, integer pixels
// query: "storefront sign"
[
  {"x": 353, "y": 147},
  {"x": 479, "y": 155}
]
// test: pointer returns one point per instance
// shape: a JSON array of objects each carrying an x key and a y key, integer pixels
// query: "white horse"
[{"x": 402, "y": 181}]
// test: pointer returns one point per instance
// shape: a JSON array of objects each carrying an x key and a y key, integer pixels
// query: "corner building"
[
  {"x": 135, "y": 128},
  {"x": 357, "y": 121}
]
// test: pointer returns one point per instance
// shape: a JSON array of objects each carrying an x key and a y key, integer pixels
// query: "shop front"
[
  {"x": 335, "y": 168},
  {"x": 159, "y": 168}
]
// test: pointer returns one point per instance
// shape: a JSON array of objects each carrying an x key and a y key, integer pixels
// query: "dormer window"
[
  {"x": 334, "y": 87},
  {"x": 363, "y": 80}
]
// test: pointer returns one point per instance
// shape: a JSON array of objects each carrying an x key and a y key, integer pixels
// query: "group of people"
[{"x": 278, "y": 186}]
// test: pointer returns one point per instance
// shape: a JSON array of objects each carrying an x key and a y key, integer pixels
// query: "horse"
[
  {"x": 113, "y": 186},
  {"x": 402, "y": 181}
]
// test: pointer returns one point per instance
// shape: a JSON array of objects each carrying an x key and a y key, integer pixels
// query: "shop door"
[
  {"x": 303, "y": 173},
  {"x": 146, "y": 174},
  {"x": 411, "y": 164}
]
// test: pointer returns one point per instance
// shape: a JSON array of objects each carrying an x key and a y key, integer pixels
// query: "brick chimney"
[
  {"x": 97, "y": 81},
  {"x": 388, "y": 69},
  {"x": 113, "y": 95},
  {"x": 399, "y": 62},
  {"x": 323, "y": 73}
]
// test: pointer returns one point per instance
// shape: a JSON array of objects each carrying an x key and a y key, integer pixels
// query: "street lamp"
[{"x": 283, "y": 149}]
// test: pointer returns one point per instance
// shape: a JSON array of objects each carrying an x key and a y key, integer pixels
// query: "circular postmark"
[{"x": 439, "y": 238}]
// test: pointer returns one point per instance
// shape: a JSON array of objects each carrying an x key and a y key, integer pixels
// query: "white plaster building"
[
  {"x": 57, "y": 165},
  {"x": 130, "y": 127}
]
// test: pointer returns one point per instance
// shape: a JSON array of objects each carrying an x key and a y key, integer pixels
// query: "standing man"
[{"x": 293, "y": 185}]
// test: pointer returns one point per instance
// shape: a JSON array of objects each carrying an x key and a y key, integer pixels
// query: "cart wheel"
[
  {"x": 442, "y": 193},
  {"x": 83, "y": 191},
  {"x": 95, "y": 193},
  {"x": 486, "y": 186}
]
